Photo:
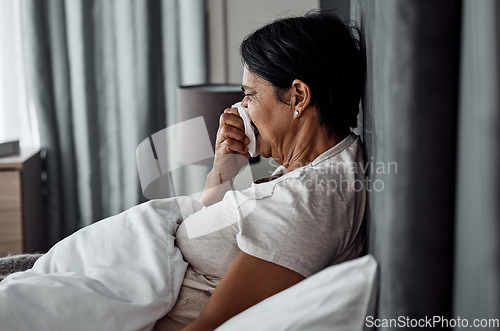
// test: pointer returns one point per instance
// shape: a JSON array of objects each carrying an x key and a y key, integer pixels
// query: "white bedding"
[
  {"x": 122, "y": 273},
  {"x": 337, "y": 298}
]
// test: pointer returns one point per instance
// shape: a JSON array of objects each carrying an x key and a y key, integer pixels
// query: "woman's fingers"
[
  {"x": 231, "y": 146},
  {"x": 231, "y": 151},
  {"x": 232, "y": 118},
  {"x": 231, "y": 133},
  {"x": 228, "y": 131}
]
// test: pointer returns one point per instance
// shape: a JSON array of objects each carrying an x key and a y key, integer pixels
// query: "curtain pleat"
[
  {"x": 103, "y": 75},
  {"x": 80, "y": 33},
  {"x": 171, "y": 70},
  {"x": 192, "y": 48}
]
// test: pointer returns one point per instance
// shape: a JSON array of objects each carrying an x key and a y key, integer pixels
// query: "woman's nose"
[{"x": 244, "y": 102}]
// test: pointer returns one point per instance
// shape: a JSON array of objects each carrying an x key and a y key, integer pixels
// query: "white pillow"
[{"x": 336, "y": 298}]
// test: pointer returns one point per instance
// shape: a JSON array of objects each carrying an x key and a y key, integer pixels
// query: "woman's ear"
[{"x": 300, "y": 97}]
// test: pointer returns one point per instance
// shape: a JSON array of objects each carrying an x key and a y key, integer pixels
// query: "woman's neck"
[{"x": 310, "y": 142}]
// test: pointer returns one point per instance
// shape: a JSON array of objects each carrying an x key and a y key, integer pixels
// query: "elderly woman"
[{"x": 302, "y": 82}]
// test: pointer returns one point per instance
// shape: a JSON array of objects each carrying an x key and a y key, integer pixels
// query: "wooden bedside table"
[{"x": 21, "y": 226}]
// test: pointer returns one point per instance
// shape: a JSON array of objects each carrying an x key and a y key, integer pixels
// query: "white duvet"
[{"x": 122, "y": 273}]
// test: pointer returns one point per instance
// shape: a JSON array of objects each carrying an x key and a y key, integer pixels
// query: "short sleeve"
[{"x": 302, "y": 225}]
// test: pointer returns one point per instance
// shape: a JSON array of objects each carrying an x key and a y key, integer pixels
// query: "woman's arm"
[
  {"x": 248, "y": 281},
  {"x": 214, "y": 190}
]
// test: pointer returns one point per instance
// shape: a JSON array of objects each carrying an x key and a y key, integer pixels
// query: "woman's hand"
[
  {"x": 231, "y": 154},
  {"x": 231, "y": 151}
]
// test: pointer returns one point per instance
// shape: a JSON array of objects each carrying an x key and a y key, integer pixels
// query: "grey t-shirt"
[{"x": 304, "y": 220}]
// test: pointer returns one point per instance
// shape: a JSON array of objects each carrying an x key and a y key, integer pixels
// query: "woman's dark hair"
[{"x": 320, "y": 50}]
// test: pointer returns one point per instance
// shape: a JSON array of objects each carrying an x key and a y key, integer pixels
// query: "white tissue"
[{"x": 252, "y": 146}]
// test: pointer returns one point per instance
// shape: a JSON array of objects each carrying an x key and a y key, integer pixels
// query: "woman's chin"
[
  {"x": 263, "y": 147},
  {"x": 264, "y": 153}
]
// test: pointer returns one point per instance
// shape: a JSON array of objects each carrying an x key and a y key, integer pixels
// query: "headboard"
[{"x": 424, "y": 113}]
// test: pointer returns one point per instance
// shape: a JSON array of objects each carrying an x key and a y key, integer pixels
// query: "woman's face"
[{"x": 270, "y": 116}]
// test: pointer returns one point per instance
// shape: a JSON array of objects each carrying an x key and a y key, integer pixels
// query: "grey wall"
[
  {"x": 341, "y": 7},
  {"x": 231, "y": 20}
]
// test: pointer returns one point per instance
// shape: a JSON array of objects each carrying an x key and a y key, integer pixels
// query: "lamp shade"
[{"x": 208, "y": 101}]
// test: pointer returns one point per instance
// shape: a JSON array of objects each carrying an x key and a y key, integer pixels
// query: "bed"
[{"x": 123, "y": 280}]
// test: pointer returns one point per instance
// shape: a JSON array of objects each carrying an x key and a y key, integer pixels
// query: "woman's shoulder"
[
  {"x": 343, "y": 161},
  {"x": 337, "y": 169},
  {"x": 337, "y": 174}
]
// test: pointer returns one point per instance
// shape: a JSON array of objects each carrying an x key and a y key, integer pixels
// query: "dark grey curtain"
[
  {"x": 431, "y": 109},
  {"x": 102, "y": 76}
]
